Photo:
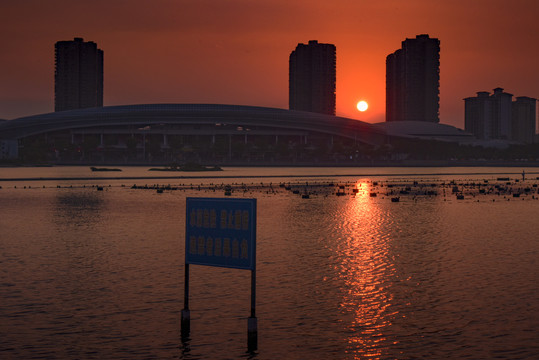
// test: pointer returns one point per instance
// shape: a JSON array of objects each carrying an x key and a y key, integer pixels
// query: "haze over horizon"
[{"x": 236, "y": 52}]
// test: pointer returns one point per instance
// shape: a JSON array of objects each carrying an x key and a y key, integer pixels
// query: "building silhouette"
[
  {"x": 524, "y": 117},
  {"x": 413, "y": 81},
  {"x": 478, "y": 114},
  {"x": 497, "y": 117},
  {"x": 312, "y": 78},
  {"x": 78, "y": 75}
]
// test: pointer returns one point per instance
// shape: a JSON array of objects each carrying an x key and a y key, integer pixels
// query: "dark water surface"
[{"x": 87, "y": 274}]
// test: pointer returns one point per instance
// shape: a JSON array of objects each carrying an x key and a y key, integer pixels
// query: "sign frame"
[{"x": 221, "y": 232}]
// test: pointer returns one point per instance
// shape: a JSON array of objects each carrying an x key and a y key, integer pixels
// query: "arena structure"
[{"x": 204, "y": 133}]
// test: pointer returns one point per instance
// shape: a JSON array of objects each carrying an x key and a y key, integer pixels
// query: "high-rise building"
[
  {"x": 488, "y": 116},
  {"x": 78, "y": 75},
  {"x": 497, "y": 117},
  {"x": 501, "y": 114},
  {"x": 312, "y": 78},
  {"x": 478, "y": 115},
  {"x": 524, "y": 117},
  {"x": 413, "y": 81}
]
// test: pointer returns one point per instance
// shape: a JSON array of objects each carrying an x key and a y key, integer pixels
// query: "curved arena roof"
[
  {"x": 424, "y": 130},
  {"x": 191, "y": 114}
]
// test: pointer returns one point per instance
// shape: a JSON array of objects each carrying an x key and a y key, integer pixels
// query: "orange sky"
[{"x": 236, "y": 51}]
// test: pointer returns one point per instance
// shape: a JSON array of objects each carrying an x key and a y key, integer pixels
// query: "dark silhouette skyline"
[
  {"x": 78, "y": 75},
  {"x": 413, "y": 81},
  {"x": 497, "y": 117},
  {"x": 229, "y": 53},
  {"x": 312, "y": 77}
]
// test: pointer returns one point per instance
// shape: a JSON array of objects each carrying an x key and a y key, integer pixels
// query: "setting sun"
[{"x": 362, "y": 105}]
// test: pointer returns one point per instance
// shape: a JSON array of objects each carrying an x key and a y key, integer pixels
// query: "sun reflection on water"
[{"x": 365, "y": 272}]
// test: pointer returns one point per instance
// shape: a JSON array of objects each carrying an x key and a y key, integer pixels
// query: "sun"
[{"x": 362, "y": 105}]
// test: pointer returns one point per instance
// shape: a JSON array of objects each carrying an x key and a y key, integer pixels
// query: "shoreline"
[
  {"x": 85, "y": 178},
  {"x": 362, "y": 164}
]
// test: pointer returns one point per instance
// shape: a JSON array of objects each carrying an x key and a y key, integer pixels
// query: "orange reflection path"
[{"x": 366, "y": 273}]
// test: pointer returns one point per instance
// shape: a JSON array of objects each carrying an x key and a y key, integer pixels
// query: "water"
[{"x": 87, "y": 274}]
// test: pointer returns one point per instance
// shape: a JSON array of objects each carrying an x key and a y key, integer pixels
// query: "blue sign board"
[{"x": 221, "y": 232}]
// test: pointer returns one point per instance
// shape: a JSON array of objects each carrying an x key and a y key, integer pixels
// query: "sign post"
[{"x": 221, "y": 232}]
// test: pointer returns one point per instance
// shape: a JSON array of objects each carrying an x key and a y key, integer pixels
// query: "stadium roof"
[
  {"x": 424, "y": 130},
  {"x": 190, "y": 114},
  {"x": 270, "y": 119}
]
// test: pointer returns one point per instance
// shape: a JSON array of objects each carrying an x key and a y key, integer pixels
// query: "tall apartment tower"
[
  {"x": 524, "y": 118},
  {"x": 477, "y": 115},
  {"x": 312, "y": 78},
  {"x": 501, "y": 114},
  {"x": 413, "y": 81},
  {"x": 488, "y": 116},
  {"x": 78, "y": 75}
]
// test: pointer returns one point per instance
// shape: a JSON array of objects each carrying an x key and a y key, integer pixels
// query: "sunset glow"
[
  {"x": 177, "y": 52},
  {"x": 362, "y": 105}
]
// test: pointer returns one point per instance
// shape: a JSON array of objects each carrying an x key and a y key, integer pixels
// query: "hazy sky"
[{"x": 236, "y": 51}]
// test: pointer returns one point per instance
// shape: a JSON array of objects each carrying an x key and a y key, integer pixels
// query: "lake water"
[{"x": 88, "y": 274}]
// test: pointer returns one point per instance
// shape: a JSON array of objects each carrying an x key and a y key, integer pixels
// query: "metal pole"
[
  {"x": 252, "y": 323},
  {"x": 253, "y": 293},
  {"x": 186, "y": 288},
  {"x": 186, "y": 314}
]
